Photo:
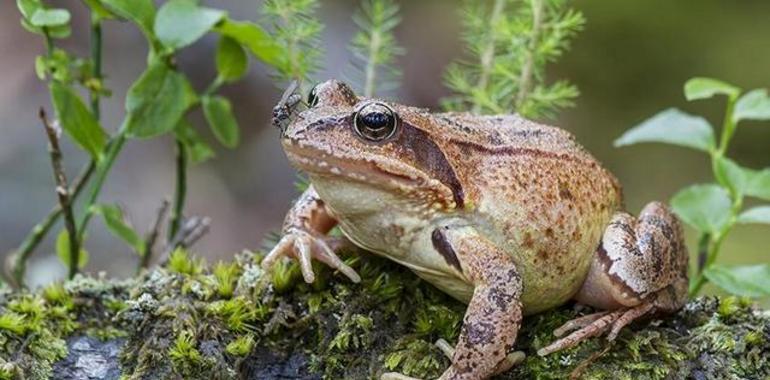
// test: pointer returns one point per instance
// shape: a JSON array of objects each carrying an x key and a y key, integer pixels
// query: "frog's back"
[{"x": 537, "y": 194}]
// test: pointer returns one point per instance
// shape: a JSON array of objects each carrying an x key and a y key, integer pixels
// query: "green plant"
[
  {"x": 296, "y": 29},
  {"x": 374, "y": 47},
  {"x": 714, "y": 209},
  {"x": 156, "y": 104},
  {"x": 509, "y": 47}
]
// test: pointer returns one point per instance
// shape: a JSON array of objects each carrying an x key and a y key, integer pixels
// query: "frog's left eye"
[
  {"x": 312, "y": 97},
  {"x": 375, "y": 121}
]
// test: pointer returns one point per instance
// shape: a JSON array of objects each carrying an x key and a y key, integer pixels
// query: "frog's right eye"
[
  {"x": 375, "y": 121},
  {"x": 312, "y": 97}
]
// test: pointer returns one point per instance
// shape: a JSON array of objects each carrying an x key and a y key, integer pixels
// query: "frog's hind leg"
[{"x": 639, "y": 268}]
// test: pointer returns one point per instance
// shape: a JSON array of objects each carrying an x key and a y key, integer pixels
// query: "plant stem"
[
  {"x": 489, "y": 52},
  {"x": 36, "y": 235},
  {"x": 63, "y": 193},
  {"x": 102, "y": 170},
  {"x": 96, "y": 57},
  {"x": 180, "y": 192},
  {"x": 527, "y": 71},
  {"x": 375, "y": 45},
  {"x": 152, "y": 236}
]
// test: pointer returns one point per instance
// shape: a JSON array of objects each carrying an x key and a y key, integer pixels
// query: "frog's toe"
[
  {"x": 304, "y": 247},
  {"x": 396, "y": 376},
  {"x": 595, "y": 324}
]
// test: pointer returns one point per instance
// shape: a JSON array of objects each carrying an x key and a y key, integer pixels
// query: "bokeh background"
[{"x": 629, "y": 62}]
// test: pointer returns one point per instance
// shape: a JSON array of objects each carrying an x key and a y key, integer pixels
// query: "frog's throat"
[{"x": 400, "y": 178}]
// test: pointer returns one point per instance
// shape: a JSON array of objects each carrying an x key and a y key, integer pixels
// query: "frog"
[{"x": 509, "y": 216}]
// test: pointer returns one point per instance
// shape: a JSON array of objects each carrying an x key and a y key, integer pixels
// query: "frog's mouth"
[{"x": 317, "y": 162}]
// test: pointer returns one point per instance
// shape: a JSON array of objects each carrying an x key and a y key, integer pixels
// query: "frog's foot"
[
  {"x": 589, "y": 326},
  {"x": 304, "y": 246},
  {"x": 507, "y": 363},
  {"x": 639, "y": 268}
]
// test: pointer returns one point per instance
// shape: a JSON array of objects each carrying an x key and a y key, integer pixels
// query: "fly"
[{"x": 286, "y": 106}]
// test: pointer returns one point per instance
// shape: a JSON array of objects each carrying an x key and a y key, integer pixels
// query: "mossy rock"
[{"x": 233, "y": 321}]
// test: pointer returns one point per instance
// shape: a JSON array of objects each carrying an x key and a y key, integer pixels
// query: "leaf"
[
  {"x": 760, "y": 214},
  {"x": 63, "y": 250},
  {"x": 181, "y": 22},
  {"x": 754, "y": 105},
  {"x": 732, "y": 175},
  {"x": 220, "y": 116},
  {"x": 99, "y": 9},
  {"x": 705, "y": 207},
  {"x": 140, "y": 12},
  {"x": 758, "y": 184},
  {"x": 749, "y": 280},
  {"x": 232, "y": 61},
  {"x": 77, "y": 120},
  {"x": 704, "y": 88},
  {"x": 28, "y": 7},
  {"x": 197, "y": 150},
  {"x": 256, "y": 39},
  {"x": 672, "y": 126},
  {"x": 119, "y": 226},
  {"x": 157, "y": 101},
  {"x": 50, "y": 17}
]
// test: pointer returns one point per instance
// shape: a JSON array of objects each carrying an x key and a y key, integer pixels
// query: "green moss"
[
  {"x": 241, "y": 346},
  {"x": 181, "y": 262}
]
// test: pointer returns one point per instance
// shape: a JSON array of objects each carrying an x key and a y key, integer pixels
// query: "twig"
[
  {"x": 180, "y": 192},
  {"x": 152, "y": 236},
  {"x": 529, "y": 64},
  {"x": 18, "y": 263},
  {"x": 487, "y": 57},
  {"x": 62, "y": 191},
  {"x": 190, "y": 232}
]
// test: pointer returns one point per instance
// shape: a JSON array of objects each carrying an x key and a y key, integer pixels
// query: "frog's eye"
[
  {"x": 312, "y": 97},
  {"x": 375, "y": 121}
]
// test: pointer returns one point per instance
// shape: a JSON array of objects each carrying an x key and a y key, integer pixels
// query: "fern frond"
[
  {"x": 295, "y": 27},
  {"x": 374, "y": 47},
  {"x": 509, "y": 45}
]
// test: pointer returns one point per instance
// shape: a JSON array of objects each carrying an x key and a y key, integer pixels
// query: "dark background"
[{"x": 630, "y": 62}]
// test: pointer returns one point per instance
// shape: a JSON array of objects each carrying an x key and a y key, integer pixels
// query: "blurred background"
[{"x": 629, "y": 63}]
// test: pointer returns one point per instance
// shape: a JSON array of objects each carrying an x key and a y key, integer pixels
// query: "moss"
[{"x": 198, "y": 322}]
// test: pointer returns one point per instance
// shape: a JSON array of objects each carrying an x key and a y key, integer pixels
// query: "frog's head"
[{"x": 372, "y": 146}]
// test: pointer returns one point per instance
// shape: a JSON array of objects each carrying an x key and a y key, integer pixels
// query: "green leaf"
[
  {"x": 157, "y": 101},
  {"x": 50, "y": 17},
  {"x": 754, "y": 105},
  {"x": 220, "y": 116},
  {"x": 197, "y": 150},
  {"x": 749, "y": 280},
  {"x": 77, "y": 120},
  {"x": 705, "y": 207},
  {"x": 119, "y": 226},
  {"x": 760, "y": 214},
  {"x": 256, "y": 39},
  {"x": 140, "y": 12},
  {"x": 732, "y": 175},
  {"x": 232, "y": 61},
  {"x": 63, "y": 250},
  {"x": 28, "y": 7},
  {"x": 758, "y": 184},
  {"x": 704, "y": 88},
  {"x": 181, "y": 22},
  {"x": 672, "y": 126},
  {"x": 99, "y": 9}
]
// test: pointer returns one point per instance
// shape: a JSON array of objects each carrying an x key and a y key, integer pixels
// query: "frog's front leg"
[
  {"x": 639, "y": 268},
  {"x": 493, "y": 316},
  {"x": 304, "y": 237}
]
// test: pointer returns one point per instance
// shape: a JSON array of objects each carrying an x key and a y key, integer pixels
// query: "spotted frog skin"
[{"x": 507, "y": 215}]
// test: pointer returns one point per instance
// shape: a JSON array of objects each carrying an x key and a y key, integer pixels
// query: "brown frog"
[{"x": 507, "y": 215}]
